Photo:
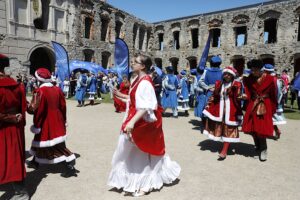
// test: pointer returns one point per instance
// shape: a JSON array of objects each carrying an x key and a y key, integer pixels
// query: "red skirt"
[{"x": 12, "y": 154}]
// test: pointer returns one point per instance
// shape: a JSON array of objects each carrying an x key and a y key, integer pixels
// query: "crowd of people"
[{"x": 224, "y": 99}]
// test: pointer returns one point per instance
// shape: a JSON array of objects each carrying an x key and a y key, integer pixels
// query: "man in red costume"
[
  {"x": 49, "y": 125},
  {"x": 261, "y": 103},
  {"x": 12, "y": 141}
]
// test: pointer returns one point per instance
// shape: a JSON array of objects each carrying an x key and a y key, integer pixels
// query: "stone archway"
[
  {"x": 238, "y": 62},
  {"x": 192, "y": 62},
  {"x": 296, "y": 63},
  {"x": 267, "y": 59},
  {"x": 42, "y": 57},
  {"x": 174, "y": 63}
]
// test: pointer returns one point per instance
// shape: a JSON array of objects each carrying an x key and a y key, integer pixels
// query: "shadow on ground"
[
  {"x": 240, "y": 148},
  {"x": 34, "y": 178}
]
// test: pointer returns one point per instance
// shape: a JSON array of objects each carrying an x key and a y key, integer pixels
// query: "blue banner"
[
  {"x": 62, "y": 62},
  {"x": 89, "y": 66},
  {"x": 297, "y": 82},
  {"x": 202, "y": 62},
  {"x": 121, "y": 58}
]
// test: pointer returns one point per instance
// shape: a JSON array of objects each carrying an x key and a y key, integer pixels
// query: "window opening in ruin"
[
  {"x": 299, "y": 29},
  {"x": 193, "y": 63},
  {"x": 134, "y": 35},
  {"x": 239, "y": 65},
  {"x": 118, "y": 28},
  {"x": 174, "y": 64},
  {"x": 268, "y": 61},
  {"x": 88, "y": 55},
  {"x": 87, "y": 27},
  {"x": 176, "y": 39},
  {"x": 104, "y": 28},
  {"x": 105, "y": 60},
  {"x": 297, "y": 66},
  {"x": 216, "y": 37},
  {"x": 240, "y": 36},
  {"x": 161, "y": 41},
  {"x": 158, "y": 62},
  {"x": 42, "y": 21},
  {"x": 141, "y": 38},
  {"x": 195, "y": 40},
  {"x": 270, "y": 31}
]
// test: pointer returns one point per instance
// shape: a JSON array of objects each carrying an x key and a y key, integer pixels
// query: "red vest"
[{"x": 148, "y": 136}]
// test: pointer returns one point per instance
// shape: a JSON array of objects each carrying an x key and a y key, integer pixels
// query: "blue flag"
[
  {"x": 62, "y": 62},
  {"x": 121, "y": 58},
  {"x": 297, "y": 82},
  {"x": 202, "y": 62}
]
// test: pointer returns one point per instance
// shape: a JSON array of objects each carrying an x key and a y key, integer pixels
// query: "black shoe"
[
  {"x": 221, "y": 157},
  {"x": 69, "y": 173},
  {"x": 32, "y": 164}
]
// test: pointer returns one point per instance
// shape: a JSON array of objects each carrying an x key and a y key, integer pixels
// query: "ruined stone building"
[{"x": 88, "y": 28}]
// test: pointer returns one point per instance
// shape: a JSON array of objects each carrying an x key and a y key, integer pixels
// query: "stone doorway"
[{"x": 42, "y": 57}]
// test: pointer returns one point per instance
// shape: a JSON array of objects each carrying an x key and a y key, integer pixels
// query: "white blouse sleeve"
[{"x": 146, "y": 100}]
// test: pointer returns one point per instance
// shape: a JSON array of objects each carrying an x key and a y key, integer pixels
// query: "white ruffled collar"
[{"x": 46, "y": 85}]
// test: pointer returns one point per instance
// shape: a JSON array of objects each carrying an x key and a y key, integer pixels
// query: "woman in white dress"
[{"x": 139, "y": 163}]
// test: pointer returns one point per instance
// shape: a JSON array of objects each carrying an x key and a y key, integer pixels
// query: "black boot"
[
  {"x": 20, "y": 192},
  {"x": 33, "y": 164},
  {"x": 70, "y": 170}
]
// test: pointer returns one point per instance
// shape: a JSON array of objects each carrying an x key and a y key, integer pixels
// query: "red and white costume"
[
  {"x": 224, "y": 111},
  {"x": 12, "y": 141},
  {"x": 142, "y": 164},
  {"x": 49, "y": 108},
  {"x": 261, "y": 105}
]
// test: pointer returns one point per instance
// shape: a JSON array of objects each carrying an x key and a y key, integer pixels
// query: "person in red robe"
[
  {"x": 12, "y": 139},
  {"x": 120, "y": 105},
  {"x": 48, "y": 105},
  {"x": 224, "y": 112},
  {"x": 261, "y": 103},
  {"x": 140, "y": 163}
]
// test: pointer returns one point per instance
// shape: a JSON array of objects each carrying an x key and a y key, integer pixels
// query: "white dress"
[{"x": 134, "y": 170}]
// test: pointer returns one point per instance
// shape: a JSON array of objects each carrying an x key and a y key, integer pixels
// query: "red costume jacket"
[
  {"x": 119, "y": 104},
  {"x": 148, "y": 136},
  {"x": 261, "y": 104},
  {"x": 12, "y": 141},
  {"x": 224, "y": 104},
  {"x": 49, "y": 108}
]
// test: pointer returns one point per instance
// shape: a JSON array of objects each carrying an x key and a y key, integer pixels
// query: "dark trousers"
[{"x": 260, "y": 143}]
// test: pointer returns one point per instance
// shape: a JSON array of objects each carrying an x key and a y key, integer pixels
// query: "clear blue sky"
[{"x": 158, "y": 10}]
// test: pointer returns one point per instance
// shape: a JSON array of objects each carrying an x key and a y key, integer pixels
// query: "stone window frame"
[
  {"x": 194, "y": 24},
  {"x": 87, "y": 14},
  {"x": 159, "y": 29},
  {"x": 106, "y": 15},
  {"x": 215, "y": 23},
  {"x": 297, "y": 16},
  {"x": 269, "y": 15},
  {"x": 240, "y": 20},
  {"x": 120, "y": 18},
  {"x": 175, "y": 27}
]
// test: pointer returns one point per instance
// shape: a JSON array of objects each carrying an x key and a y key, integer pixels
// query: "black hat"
[{"x": 4, "y": 61}]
